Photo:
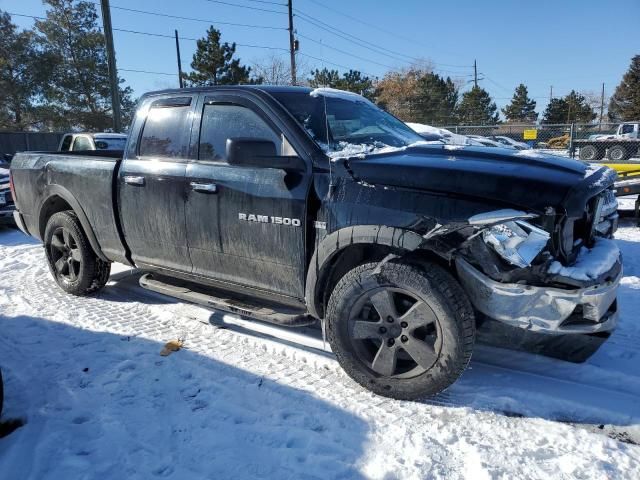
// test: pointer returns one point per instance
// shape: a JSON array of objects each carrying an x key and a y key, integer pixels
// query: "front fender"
[{"x": 395, "y": 238}]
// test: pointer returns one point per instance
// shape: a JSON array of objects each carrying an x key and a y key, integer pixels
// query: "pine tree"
[
  {"x": 324, "y": 78},
  {"x": 213, "y": 63},
  {"x": 477, "y": 108},
  {"x": 23, "y": 72},
  {"x": 572, "y": 108},
  {"x": 355, "y": 81},
  {"x": 625, "y": 102},
  {"x": 436, "y": 100},
  {"x": 522, "y": 108},
  {"x": 78, "y": 93}
]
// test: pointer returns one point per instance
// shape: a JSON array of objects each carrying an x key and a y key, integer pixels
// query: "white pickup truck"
[
  {"x": 73, "y": 142},
  {"x": 621, "y": 145}
]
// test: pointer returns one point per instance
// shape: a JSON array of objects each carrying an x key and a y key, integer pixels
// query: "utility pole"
[
  {"x": 601, "y": 106},
  {"x": 550, "y": 93},
  {"x": 179, "y": 62},
  {"x": 292, "y": 47},
  {"x": 475, "y": 74},
  {"x": 111, "y": 61}
]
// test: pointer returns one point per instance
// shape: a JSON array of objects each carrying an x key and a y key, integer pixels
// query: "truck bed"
[{"x": 83, "y": 180}]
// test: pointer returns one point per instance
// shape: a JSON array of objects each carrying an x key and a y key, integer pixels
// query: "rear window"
[
  {"x": 165, "y": 131},
  {"x": 110, "y": 143}
]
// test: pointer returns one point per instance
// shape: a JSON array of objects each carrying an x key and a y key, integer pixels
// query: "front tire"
[
  {"x": 73, "y": 263},
  {"x": 400, "y": 330}
]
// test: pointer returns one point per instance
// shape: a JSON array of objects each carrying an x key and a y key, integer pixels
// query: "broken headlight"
[{"x": 517, "y": 242}]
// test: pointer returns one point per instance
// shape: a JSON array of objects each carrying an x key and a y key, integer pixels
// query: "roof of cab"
[{"x": 264, "y": 88}]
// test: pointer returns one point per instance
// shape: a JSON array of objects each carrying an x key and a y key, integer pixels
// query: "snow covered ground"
[{"x": 247, "y": 400}]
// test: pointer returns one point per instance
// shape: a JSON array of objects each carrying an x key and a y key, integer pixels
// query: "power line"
[
  {"x": 333, "y": 29},
  {"x": 146, "y": 71},
  {"x": 246, "y": 6},
  {"x": 377, "y": 27},
  {"x": 162, "y": 35},
  {"x": 344, "y": 52},
  {"x": 158, "y": 14}
]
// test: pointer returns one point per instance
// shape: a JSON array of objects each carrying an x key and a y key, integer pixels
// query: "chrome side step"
[{"x": 221, "y": 300}]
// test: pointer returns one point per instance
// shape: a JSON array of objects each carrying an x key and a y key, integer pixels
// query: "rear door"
[
  {"x": 245, "y": 225},
  {"x": 151, "y": 183}
]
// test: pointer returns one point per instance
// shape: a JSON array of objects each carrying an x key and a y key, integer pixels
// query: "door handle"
[
  {"x": 132, "y": 180},
  {"x": 204, "y": 187}
]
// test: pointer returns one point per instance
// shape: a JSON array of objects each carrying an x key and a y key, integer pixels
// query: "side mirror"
[{"x": 256, "y": 153}]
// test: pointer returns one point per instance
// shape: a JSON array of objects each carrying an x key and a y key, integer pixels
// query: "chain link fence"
[{"x": 599, "y": 142}]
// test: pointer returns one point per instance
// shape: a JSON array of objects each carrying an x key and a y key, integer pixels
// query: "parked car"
[
  {"x": 510, "y": 142},
  {"x": 487, "y": 142},
  {"x": 73, "y": 142},
  {"x": 7, "y": 206},
  {"x": 292, "y": 205},
  {"x": 429, "y": 133}
]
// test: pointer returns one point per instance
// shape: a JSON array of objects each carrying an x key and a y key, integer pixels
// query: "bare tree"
[{"x": 276, "y": 69}]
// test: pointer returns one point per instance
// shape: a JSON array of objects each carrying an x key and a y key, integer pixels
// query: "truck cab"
[{"x": 628, "y": 130}]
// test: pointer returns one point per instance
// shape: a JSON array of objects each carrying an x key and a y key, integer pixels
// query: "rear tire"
[
  {"x": 589, "y": 153},
  {"x": 618, "y": 153},
  {"x": 74, "y": 265},
  {"x": 400, "y": 330}
]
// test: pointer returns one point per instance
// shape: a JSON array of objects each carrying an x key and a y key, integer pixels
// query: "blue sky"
[{"x": 567, "y": 44}]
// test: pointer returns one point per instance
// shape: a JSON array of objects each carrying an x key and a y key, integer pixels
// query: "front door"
[
  {"x": 245, "y": 225},
  {"x": 152, "y": 186}
]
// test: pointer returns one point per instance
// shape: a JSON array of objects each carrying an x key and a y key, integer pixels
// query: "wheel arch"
[
  {"x": 58, "y": 199},
  {"x": 349, "y": 247}
]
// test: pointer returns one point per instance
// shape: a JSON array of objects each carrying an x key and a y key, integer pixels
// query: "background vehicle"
[
  {"x": 623, "y": 145},
  {"x": 73, "y": 142},
  {"x": 430, "y": 133},
  {"x": 487, "y": 142},
  {"x": 510, "y": 142},
  {"x": 288, "y": 204},
  {"x": 7, "y": 206}
]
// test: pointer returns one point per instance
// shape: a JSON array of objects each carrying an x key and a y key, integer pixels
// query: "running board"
[{"x": 221, "y": 300}]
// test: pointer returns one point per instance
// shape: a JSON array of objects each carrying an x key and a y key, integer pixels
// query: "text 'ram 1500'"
[{"x": 293, "y": 205}]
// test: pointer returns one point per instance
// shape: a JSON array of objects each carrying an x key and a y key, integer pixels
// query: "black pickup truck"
[{"x": 293, "y": 205}]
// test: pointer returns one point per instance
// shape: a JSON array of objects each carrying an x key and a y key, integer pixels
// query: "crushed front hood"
[{"x": 524, "y": 179}]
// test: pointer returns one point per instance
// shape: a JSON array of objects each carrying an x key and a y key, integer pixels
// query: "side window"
[
  {"x": 82, "y": 142},
  {"x": 66, "y": 143},
  {"x": 627, "y": 128},
  {"x": 164, "y": 133},
  {"x": 223, "y": 121}
]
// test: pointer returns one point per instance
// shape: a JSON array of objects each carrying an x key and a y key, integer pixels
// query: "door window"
[
  {"x": 82, "y": 143},
  {"x": 627, "y": 128},
  {"x": 223, "y": 121},
  {"x": 165, "y": 131}
]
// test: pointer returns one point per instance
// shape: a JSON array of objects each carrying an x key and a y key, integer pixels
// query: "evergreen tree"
[
  {"x": 477, "y": 108},
  {"x": 23, "y": 72},
  {"x": 78, "y": 93},
  {"x": 351, "y": 81},
  {"x": 522, "y": 108},
  {"x": 324, "y": 78},
  {"x": 625, "y": 102},
  {"x": 355, "y": 81},
  {"x": 572, "y": 108},
  {"x": 435, "y": 100},
  {"x": 213, "y": 64}
]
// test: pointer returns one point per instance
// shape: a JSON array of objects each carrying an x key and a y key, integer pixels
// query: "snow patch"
[
  {"x": 361, "y": 150},
  {"x": 591, "y": 262},
  {"x": 335, "y": 93}
]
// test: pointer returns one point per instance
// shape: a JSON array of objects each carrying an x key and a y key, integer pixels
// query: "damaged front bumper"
[{"x": 542, "y": 309}]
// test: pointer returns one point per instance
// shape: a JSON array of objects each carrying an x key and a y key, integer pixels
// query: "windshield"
[
  {"x": 342, "y": 123},
  {"x": 103, "y": 143}
]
